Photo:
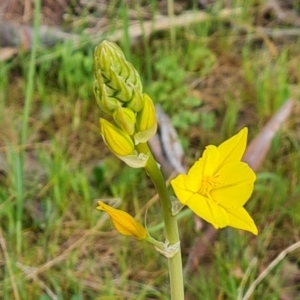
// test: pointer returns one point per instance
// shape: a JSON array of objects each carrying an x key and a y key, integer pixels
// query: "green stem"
[
  {"x": 24, "y": 128},
  {"x": 171, "y": 228},
  {"x": 171, "y": 18}
]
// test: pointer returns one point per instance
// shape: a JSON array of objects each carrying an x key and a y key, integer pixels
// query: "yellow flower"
[
  {"x": 123, "y": 222},
  {"x": 218, "y": 185}
]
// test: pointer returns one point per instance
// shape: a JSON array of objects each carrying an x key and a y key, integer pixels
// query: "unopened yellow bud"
[
  {"x": 125, "y": 119},
  {"x": 123, "y": 222},
  {"x": 146, "y": 123},
  {"x": 117, "y": 140}
]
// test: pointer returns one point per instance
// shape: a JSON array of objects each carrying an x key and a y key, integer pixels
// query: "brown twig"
[
  {"x": 259, "y": 147},
  {"x": 162, "y": 23},
  {"x": 166, "y": 146},
  {"x": 20, "y": 36}
]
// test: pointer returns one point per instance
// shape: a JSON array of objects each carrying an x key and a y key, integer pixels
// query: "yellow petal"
[
  {"x": 233, "y": 149},
  {"x": 124, "y": 222},
  {"x": 179, "y": 184},
  {"x": 239, "y": 218},
  {"x": 236, "y": 185},
  {"x": 205, "y": 166},
  {"x": 208, "y": 210}
]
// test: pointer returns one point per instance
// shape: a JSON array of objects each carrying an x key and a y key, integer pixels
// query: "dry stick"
[
  {"x": 270, "y": 267},
  {"x": 259, "y": 147},
  {"x": 15, "y": 35},
  {"x": 258, "y": 33},
  {"x": 169, "y": 141},
  {"x": 163, "y": 23},
  {"x": 278, "y": 33},
  {"x": 9, "y": 268}
]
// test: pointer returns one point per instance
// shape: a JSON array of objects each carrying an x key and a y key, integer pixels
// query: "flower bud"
[
  {"x": 122, "y": 91},
  {"x": 125, "y": 119},
  {"x": 137, "y": 100},
  {"x": 123, "y": 222},
  {"x": 106, "y": 103},
  {"x": 109, "y": 56},
  {"x": 116, "y": 81},
  {"x": 117, "y": 140},
  {"x": 146, "y": 124}
]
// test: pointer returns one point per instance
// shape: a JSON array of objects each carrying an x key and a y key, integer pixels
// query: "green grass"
[{"x": 211, "y": 82}]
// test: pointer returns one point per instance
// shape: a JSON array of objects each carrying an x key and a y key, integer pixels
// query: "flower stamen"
[{"x": 207, "y": 184}]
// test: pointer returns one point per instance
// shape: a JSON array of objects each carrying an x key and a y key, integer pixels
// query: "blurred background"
[{"x": 214, "y": 66}]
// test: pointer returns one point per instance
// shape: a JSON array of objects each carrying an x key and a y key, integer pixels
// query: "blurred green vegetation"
[{"x": 211, "y": 82}]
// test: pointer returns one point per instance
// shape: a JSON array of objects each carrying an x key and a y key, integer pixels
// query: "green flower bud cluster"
[{"x": 119, "y": 93}]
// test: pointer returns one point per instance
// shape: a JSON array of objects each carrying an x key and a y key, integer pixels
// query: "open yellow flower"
[
  {"x": 123, "y": 222},
  {"x": 218, "y": 185}
]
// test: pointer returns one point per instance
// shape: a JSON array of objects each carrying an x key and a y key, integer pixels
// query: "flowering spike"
[
  {"x": 123, "y": 222},
  {"x": 119, "y": 93},
  {"x": 117, "y": 140}
]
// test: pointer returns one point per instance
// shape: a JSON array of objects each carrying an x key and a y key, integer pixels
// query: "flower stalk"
[
  {"x": 215, "y": 188},
  {"x": 119, "y": 94},
  {"x": 170, "y": 222}
]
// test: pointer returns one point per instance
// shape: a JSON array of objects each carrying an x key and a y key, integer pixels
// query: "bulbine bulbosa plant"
[{"x": 215, "y": 188}]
